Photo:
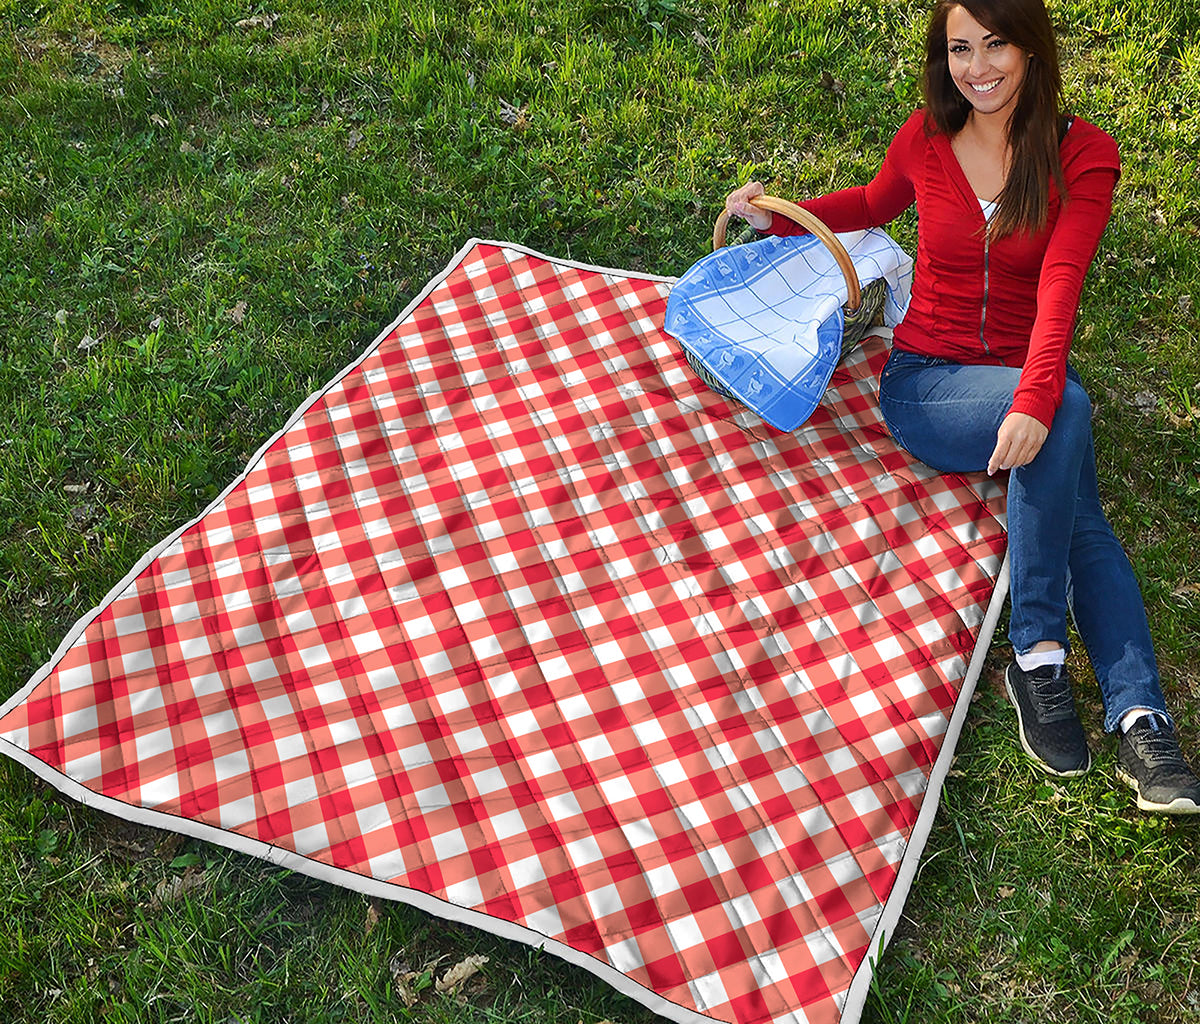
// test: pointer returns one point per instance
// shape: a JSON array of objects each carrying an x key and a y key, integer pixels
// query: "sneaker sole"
[
  {"x": 1180, "y": 805},
  {"x": 1072, "y": 773}
]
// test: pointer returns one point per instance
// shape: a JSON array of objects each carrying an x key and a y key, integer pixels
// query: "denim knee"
[
  {"x": 1072, "y": 424},
  {"x": 1075, "y": 403}
]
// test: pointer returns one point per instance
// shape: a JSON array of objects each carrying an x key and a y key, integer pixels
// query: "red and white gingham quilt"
[{"x": 518, "y": 622}]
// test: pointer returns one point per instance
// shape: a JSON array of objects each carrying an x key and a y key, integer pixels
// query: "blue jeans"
[{"x": 1062, "y": 550}]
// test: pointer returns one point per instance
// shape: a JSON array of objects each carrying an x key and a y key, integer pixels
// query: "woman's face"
[{"x": 988, "y": 70}]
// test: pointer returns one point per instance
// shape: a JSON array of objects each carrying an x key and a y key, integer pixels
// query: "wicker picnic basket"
[{"x": 862, "y": 308}]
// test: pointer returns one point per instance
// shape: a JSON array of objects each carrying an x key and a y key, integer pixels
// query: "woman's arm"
[{"x": 1072, "y": 247}]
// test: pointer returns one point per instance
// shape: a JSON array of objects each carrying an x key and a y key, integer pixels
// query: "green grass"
[{"x": 160, "y": 167}]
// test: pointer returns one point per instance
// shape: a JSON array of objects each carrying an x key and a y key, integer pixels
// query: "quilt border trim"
[{"x": 860, "y": 984}]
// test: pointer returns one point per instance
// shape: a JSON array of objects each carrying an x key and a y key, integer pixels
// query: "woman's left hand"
[{"x": 1018, "y": 441}]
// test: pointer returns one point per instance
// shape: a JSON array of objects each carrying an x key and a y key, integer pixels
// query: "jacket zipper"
[{"x": 983, "y": 309}]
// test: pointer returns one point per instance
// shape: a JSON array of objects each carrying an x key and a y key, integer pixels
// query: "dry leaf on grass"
[
  {"x": 404, "y": 989},
  {"x": 373, "y": 915},
  {"x": 127, "y": 849},
  {"x": 1145, "y": 401},
  {"x": 512, "y": 115},
  {"x": 1182, "y": 418},
  {"x": 171, "y": 889},
  {"x": 831, "y": 84},
  {"x": 408, "y": 982},
  {"x": 238, "y": 313},
  {"x": 460, "y": 972},
  {"x": 87, "y": 341},
  {"x": 257, "y": 21}
]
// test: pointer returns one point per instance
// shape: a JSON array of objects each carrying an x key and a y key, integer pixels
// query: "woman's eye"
[
  {"x": 958, "y": 48},
  {"x": 995, "y": 44}
]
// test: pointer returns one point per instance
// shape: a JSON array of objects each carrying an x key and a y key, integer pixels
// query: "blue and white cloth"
[{"x": 765, "y": 319}]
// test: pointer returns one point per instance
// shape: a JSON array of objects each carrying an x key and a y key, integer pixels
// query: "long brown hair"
[{"x": 1036, "y": 125}]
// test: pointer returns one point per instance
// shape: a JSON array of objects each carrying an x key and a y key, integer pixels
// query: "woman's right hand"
[{"x": 737, "y": 204}]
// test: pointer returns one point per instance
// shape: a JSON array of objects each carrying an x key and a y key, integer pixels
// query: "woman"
[{"x": 1012, "y": 198}]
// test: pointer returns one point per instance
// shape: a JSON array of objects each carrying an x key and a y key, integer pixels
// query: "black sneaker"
[
  {"x": 1051, "y": 732},
  {"x": 1149, "y": 760}
]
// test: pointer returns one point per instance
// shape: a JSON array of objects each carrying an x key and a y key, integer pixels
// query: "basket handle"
[{"x": 806, "y": 220}]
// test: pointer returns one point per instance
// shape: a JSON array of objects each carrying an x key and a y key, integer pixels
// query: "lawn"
[{"x": 207, "y": 209}]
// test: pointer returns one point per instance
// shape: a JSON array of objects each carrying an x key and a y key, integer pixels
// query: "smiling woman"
[
  {"x": 997, "y": 90},
  {"x": 1012, "y": 198}
]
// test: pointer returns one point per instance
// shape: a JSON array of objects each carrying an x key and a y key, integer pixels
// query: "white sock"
[
  {"x": 1036, "y": 659},
  {"x": 1130, "y": 717}
]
